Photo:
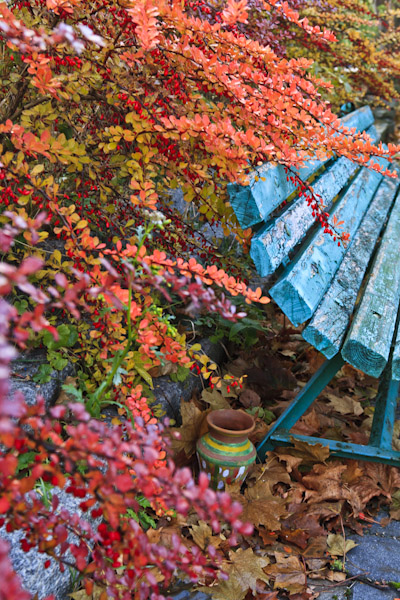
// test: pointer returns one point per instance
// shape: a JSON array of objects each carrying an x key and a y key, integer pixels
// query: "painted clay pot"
[{"x": 225, "y": 453}]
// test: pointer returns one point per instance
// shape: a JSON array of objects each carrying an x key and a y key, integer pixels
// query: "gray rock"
[
  {"x": 376, "y": 557},
  {"x": 30, "y": 565},
  {"x": 340, "y": 592},
  {"x": 362, "y": 591},
  {"x": 25, "y": 367}
]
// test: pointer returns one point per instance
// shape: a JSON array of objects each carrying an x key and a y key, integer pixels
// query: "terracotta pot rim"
[{"x": 226, "y": 431}]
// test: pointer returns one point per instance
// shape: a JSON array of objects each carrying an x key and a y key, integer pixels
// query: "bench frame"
[
  {"x": 379, "y": 448},
  {"x": 281, "y": 236}
]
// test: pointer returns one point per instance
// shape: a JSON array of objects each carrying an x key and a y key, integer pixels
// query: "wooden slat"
[
  {"x": 328, "y": 326},
  {"x": 302, "y": 286},
  {"x": 368, "y": 342},
  {"x": 396, "y": 358},
  {"x": 254, "y": 203}
]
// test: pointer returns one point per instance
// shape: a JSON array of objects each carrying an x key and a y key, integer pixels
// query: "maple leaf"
[
  {"x": 194, "y": 425},
  {"x": 326, "y": 483},
  {"x": 215, "y": 399},
  {"x": 289, "y": 573},
  {"x": 260, "y": 507},
  {"x": 338, "y": 546},
  {"x": 203, "y": 536},
  {"x": 309, "y": 453},
  {"x": 378, "y": 480},
  {"x": 244, "y": 570}
]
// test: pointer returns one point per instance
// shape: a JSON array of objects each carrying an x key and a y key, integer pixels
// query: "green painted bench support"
[{"x": 348, "y": 298}]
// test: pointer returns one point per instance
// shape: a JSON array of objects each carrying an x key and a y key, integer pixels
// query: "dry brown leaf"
[
  {"x": 326, "y": 483},
  {"x": 248, "y": 398},
  {"x": 289, "y": 573},
  {"x": 378, "y": 480},
  {"x": 244, "y": 570},
  {"x": 82, "y": 595},
  {"x": 215, "y": 399},
  {"x": 194, "y": 425},
  {"x": 260, "y": 507},
  {"x": 338, "y": 546},
  {"x": 336, "y": 576},
  {"x": 309, "y": 424},
  {"x": 298, "y": 537},
  {"x": 316, "y": 547},
  {"x": 203, "y": 536},
  {"x": 272, "y": 472},
  {"x": 345, "y": 405},
  {"x": 309, "y": 453}
]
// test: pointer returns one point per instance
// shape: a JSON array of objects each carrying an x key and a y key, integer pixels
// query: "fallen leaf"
[
  {"x": 260, "y": 507},
  {"x": 325, "y": 482},
  {"x": 248, "y": 398},
  {"x": 338, "y": 546},
  {"x": 194, "y": 425},
  {"x": 244, "y": 570},
  {"x": 309, "y": 453},
  {"x": 345, "y": 405},
  {"x": 336, "y": 576},
  {"x": 215, "y": 399},
  {"x": 203, "y": 536},
  {"x": 289, "y": 573}
]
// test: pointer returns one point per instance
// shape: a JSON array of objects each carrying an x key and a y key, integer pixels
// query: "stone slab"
[
  {"x": 377, "y": 557},
  {"x": 362, "y": 591},
  {"x": 25, "y": 367},
  {"x": 37, "y": 580}
]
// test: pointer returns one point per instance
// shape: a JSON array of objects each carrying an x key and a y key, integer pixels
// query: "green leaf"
[
  {"x": 56, "y": 360},
  {"x": 43, "y": 375},
  {"x": 73, "y": 391},
  {"x": 25, "y": 460},
  {"x": 67, "y": 337}
]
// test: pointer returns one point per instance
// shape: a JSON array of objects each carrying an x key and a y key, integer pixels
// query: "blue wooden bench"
[{"x": 348, "y": 298}]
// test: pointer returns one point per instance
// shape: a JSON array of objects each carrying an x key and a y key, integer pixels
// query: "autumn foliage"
[{"x": 107, "y": 107}]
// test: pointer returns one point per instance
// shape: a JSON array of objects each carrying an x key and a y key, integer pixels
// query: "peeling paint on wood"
[
  {"x": 367, "y": 345},
  {"x": 302, "y": 286},
  {"x": 254, "y": 203},
  {"x": 328, "y": 326}
]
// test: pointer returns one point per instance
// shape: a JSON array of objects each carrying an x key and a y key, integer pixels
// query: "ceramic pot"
[{"x": 225, "y": 453}]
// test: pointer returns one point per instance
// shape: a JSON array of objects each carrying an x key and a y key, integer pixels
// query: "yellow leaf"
[
  {"x": 36, "y": 170},
  {"x": 81, "y": 224},
  {"x": 57, "y": 256}
]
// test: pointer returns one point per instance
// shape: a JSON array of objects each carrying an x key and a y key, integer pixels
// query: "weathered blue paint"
[
  {"x": 272, "y": 244},
  {"x": 342, "y": 449},
  {"x": 368, "y": 343},
  {"x": 302, "y": 286},
  {"x": 385, "y": 412},
  {"x": 301, "y": 403},
  {"x": 322, "y": 265},
  {"x": 396, "y": 358},
  {"x": 329, "y": 324},
  {"x": 268, "y": 186}
]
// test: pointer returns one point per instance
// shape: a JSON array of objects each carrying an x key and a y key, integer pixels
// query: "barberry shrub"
[{"x": 107, "y": 107}]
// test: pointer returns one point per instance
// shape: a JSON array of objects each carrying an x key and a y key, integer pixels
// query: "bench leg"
[
  {"x": 385, "y": 411},
  {"x": 380, "y": 443},
  {"x": 301, "y": 403}
]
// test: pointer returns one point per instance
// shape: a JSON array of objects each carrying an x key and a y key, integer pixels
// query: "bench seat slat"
[
  {"x": 396, "y": 358},
  {"x": 271, "y": 245},
  {"x": 328, "y": 326},
  {"x": 302, "y": 286},
  {"x": 255, "y": 202},
  {"x": 367, "y": 345}
]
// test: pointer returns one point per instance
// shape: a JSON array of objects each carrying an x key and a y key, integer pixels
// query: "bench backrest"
[{"x": 319, "y": 279}]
